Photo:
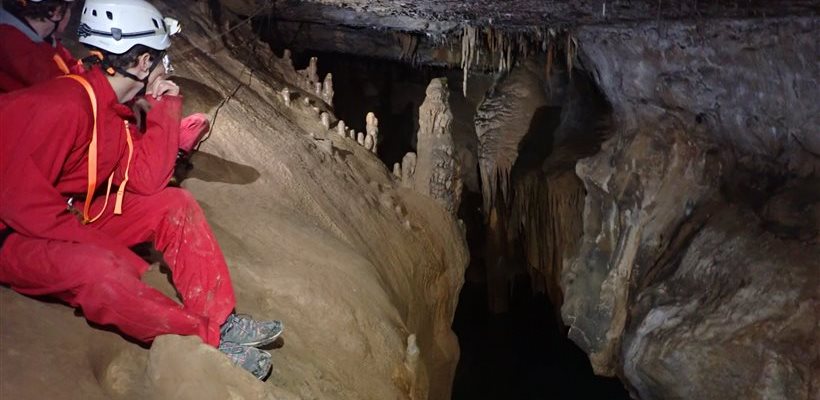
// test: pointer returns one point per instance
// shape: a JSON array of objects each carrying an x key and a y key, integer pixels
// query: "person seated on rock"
[
  {"x": 31, "y": 52},
  {"x": 64, "y": 145},
  {"x": 30, "y": 49}
]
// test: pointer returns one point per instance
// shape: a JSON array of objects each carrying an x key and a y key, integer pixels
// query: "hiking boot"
[
  {"x": 253, "y": 360},
  {"x": 244, "y": 330}
]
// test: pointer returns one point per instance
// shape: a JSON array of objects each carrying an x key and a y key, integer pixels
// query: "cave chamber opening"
[{"x": 512, "y": 340}]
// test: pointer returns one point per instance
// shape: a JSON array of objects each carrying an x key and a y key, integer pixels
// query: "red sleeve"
[
  {"x": 155, "y": 151},
  {"x": 34, "y": 144},
  {"x": 24, "y": 63}
]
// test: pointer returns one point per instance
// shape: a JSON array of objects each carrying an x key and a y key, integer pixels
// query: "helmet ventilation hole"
[{"x": 109, "y": 15}]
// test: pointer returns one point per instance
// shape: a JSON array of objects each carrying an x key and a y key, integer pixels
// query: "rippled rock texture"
[{"x": 685, "y": 284}]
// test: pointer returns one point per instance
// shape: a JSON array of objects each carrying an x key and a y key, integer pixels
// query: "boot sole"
[{"x": 264, "y": 341}]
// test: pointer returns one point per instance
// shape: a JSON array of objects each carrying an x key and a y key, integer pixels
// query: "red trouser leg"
[
  {"x": 174, "y": 222},
  {"x": 191, "y": 130},
  {"x": 106, "y": 287}
]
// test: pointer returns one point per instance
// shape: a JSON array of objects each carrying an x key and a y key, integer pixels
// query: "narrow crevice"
[{"x": 522, "y": 352}]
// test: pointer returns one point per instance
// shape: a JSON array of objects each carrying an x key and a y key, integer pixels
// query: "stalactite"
[
  {"x": 548, "y": 213},
  {"x": 409, "y": 44},
  {"x": 571, "y": 48},
  {"x": 550, "y": 60},
  {"x": 468, "y": 53}
]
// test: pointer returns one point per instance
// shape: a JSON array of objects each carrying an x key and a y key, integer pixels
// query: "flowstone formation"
[{"x": 682, "y": 285}]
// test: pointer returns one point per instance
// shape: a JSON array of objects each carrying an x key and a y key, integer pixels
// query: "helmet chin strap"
[
  {"x": 144, "y": 81},
  {"x": 133, "y": 77}
]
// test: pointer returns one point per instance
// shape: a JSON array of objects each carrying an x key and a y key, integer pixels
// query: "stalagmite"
[
  {"x": 373, "y": 130},
  {"x": 325, "y": 117},
  {"x": 286, "y": 58},
  {"x": 311, "y": 71},
  {"x": 368, "y": 142},
  {"x": 438, "y": 173},
  {"x": 327, "y": 90},
  {"x": 317, "y": 89},
  {"x": 340, "y": 128},
  {"x": 408, "y": 169},
  {"x": 411, "y": 355},
  {"x": 351, "y": 133},
  {"x": 397, "y": 170},
  {"x": 360, "y": 138},
  {"x": 286, "y": 96}
]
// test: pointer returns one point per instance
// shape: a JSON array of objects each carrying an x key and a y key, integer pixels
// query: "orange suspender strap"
[
  {"x": 92, "y": 161},
  {"x": 61, "y": 64},
  {"x": 121, "y": 189}
]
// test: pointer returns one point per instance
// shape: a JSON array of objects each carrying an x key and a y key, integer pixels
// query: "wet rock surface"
[{"x": 684, "y": 285}]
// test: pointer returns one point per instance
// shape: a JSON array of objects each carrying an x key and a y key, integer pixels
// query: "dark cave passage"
[{"x": 522, "y": 353}]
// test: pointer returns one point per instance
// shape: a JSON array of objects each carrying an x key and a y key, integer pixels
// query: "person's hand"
[{"x": 163, "y": 87}]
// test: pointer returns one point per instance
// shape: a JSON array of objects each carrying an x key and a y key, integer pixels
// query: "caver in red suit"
[
  {"x": 24, "y": 62},
  {"x": 27, "y": 59},
  {"x": 44, "y": 147}
]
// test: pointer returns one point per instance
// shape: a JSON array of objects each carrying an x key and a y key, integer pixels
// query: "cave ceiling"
[
  {"x": 431, "y": 32},
  {"x": 442, "y": 16}
]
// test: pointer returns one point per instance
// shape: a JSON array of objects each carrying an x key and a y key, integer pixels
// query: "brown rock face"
[
  {"x": 638, "y": 193},
  {"x": 694, "y": 277},
  {"x": 737, "y": 318}
]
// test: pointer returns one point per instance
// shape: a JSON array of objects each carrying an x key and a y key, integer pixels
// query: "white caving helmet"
[{"x": 115, "y": 26}]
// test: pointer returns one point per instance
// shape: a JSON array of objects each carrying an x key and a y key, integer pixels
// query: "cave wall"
[
  {"x": 677, "y": 287},
  {"x": 752, "y": 84}
]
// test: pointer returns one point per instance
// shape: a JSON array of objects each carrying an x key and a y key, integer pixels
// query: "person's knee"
[
  {"x": 180, "y": 206},
  {"x": 98, "y": 262},
  {"x": 176, "y": 198},
  {"x": 99, "y": 275}
]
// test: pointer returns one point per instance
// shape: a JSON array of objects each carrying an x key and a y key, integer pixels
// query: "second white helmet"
[{"x": 116, "y": 26}]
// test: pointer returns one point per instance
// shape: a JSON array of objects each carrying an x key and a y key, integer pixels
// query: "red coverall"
[
  {"x": 24, "y": 63},
  {"x": 44, "y": 135}
]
